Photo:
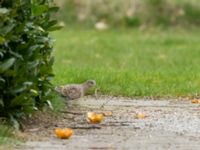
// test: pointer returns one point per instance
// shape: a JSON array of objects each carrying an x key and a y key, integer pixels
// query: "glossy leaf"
[
  {"x": 4, "y": 11},
  {"x": 7, "y": 64},
  {"x": 2, "y": 40},
  {"x": 38, "y": 10},
  {"x": 1, "y": 103},
  {"x": 6, "y": 29}
]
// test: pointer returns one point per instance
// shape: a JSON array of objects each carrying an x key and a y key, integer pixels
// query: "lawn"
[
  {"x": 153, "y": 63},
  {"x": 7, "y": 137}
]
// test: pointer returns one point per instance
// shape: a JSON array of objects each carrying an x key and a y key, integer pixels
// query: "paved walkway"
[{"x": 169, "y": 125}]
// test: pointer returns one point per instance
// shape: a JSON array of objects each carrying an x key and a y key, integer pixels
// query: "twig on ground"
[
  {"x": 117, "y": 124},
  {"x": 90, "y": 127},
  {"x": 74, "y": 113},
  {"x": 104, "y": 104},
  {"x": 96, "y": 95}
]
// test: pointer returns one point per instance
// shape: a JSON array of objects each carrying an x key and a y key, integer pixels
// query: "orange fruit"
[
  {"x": 195, "y": 101},
  {"x": 63, "y": 133},
  {"x": 94, "y": 118},
  {"x": 140, "y": 116}
]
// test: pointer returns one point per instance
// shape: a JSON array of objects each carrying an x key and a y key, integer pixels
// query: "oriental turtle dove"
[{"x": 75, "y": 91}]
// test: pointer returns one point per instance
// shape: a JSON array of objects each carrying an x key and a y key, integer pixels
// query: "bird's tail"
[{"x": 58, "y": 89}]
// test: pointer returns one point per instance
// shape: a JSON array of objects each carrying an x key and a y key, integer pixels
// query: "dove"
[{"x": 75, "y": 91}]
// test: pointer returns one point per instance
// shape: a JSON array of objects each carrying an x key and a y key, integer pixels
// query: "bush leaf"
[
  {"x": 7, "y": 64},
  {"x": 38, "y": 10},
  {"x": 4, "y": 11},
  {"x": 2, "y": 40}
]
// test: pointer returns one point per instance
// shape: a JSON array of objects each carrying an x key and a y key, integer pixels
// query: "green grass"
[
  {"x": 8, "y": 137},
  {"x": 156, "y": 63}
]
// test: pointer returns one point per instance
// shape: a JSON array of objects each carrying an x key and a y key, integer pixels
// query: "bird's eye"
[{"x": 91, "y": 83}]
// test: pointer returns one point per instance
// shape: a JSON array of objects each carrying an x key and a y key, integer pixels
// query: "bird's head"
[{"x": 90, "y": 83}]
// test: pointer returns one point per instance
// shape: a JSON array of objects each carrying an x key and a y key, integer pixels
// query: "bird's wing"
[{"x": 73, "y": 91}]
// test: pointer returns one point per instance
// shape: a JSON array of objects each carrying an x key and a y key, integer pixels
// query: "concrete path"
[{"x": 169, "y": 125}]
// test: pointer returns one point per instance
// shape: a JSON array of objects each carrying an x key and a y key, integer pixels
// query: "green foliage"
[
  {"x": 131, "y": 13},
  {"x": 25, "y": 56},
  {"x": 7, "y": 136},
  {"x": 67, "y": 11},
  {"x": 158, "y": 12},
  {"x": 133, "y": 21},
  {"x": 192, "y": 13}
]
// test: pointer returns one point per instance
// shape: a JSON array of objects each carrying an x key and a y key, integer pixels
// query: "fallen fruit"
[
  {"x": 195, "y": 101},
  {"x": 108, "y": 113},
  {"x": 140, "y": 116},
  {"x": 94, "y": 118},
  {"x": 63, "y": 133}
]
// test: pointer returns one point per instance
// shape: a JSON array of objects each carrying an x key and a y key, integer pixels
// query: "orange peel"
[
  {"x": 64, "y": 133},
  {"x": 140, "y": 116},
  {"x": 195, "y": 101},
  {"x": 94, "y": 117},
  {"x": 107, "y": 114}
]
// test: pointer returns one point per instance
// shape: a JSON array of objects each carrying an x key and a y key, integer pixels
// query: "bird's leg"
[{"x": 96, "y": 93}]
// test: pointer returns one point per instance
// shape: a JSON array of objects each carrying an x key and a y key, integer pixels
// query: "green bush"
[
  {"x": 130, "y": 13},
  {"x": 25, "y": 56},
  {"x": 158, "y": 13},
  {"x": 192, "y": 14}
]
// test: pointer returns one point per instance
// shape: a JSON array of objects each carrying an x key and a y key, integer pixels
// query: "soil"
[{"x": 169, "y": 124}]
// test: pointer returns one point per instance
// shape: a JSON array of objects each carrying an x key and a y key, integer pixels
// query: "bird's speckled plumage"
[{"x": 75, "y": 91}]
